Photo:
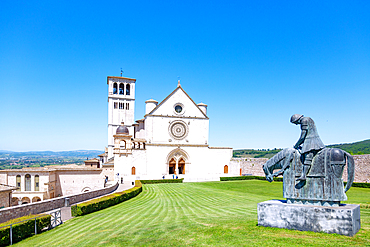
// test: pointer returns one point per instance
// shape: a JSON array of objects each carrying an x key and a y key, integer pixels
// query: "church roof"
[{"x": 169, "y": 96}]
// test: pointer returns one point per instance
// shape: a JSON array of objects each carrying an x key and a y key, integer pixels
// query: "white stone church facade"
[{"x": 171, "y": 140}]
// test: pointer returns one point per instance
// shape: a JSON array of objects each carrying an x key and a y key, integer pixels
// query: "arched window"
[
  {"x": 115, "y": 88},
  {"x": 181, "y": 166},
  {"x": 121, "y": 88},
  {"x": 26, "y": 200},
  {"x": 18, "y": 183},
  {"x": 226, "y": 169},
  {"x": 27, "y": 181},
  {"x": 122, "y": 144},
  {"x": 127, "y": 89},
  {"x": 133, "y": 170},
  {"x": 37, "y": 184},
  {"x": 36, "y": 199}
]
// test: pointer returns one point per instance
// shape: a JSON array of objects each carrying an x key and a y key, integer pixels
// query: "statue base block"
[{"x": 343, "y": 220}]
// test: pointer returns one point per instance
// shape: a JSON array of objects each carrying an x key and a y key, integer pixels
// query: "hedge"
[
  {"x": 106, "y": 201},
  {"x": 360, "y": 185},
  {"x": 162, "y": 181},
  {"x": 362, "y": 205},
  {"x": 24, "y": 229},
  {"x": 280, "y": 179}
]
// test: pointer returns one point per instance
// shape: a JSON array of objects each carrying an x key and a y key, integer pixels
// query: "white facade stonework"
[{"x": 171, "y": 140}]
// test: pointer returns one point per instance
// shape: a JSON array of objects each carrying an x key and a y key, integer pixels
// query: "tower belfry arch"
[{"x": 178, "y": 162}]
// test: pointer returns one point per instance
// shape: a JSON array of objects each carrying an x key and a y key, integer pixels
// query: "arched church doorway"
[
  {"x": 172, "y": 166},
  {"x": 177, "y": 161},
  {"x": 133, "y": 170},
  {"x": 181, "y": 166},
  {"x": 226, "y": 169}
]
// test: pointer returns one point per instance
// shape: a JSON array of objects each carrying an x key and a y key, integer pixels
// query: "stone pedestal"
[{"x": 344, "y": 220}]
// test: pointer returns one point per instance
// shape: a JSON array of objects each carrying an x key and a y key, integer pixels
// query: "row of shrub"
[
  {"x": 23, "y": 228},
  {"x": 280, "y": 179},
  {"x": 162, "y": 181},
  {"x": 106, "y": 201},
  {"x": 360, "y": 185}
]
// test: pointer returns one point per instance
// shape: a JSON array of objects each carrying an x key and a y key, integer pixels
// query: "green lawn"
[{"x": 195, "y": 214}]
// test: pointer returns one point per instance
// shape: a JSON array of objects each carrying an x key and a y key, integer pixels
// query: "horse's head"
[{"x": 268, "y": 174}]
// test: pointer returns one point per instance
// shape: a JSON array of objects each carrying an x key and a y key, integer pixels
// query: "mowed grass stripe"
[
  {"x": 111, "y": 216},
  {"x": 195, "y": 214},
  {"x": 136, "y": 217},
  {"x": 99, "y": 221},
  {"x": 144, "y": 217},
  {"x": 215, "y": 204}
]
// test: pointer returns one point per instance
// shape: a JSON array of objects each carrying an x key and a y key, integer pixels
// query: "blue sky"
[{"x": 255, "y": 63}]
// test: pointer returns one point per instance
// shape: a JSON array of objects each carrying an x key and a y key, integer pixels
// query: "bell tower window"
[
  {"x": 115, "y": 88},
  {"x": 127, "y": 89},
  {"x": 121, "y": 88}
]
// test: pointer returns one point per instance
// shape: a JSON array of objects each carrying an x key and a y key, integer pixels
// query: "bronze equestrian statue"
[{"x": 314, "y": 175}]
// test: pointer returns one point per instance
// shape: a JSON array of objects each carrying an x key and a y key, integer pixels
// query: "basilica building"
[{"x": 170, "y": 141}]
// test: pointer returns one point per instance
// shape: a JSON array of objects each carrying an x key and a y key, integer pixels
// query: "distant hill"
[
  {"x": 356, "y": 148},
  {"x": 35, "y": 154},
  {"x": 18, "y": 160},
  {"x": 252, "y": 153}
]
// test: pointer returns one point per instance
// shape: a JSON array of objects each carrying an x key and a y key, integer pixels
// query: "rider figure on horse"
[{"x": 310, "y": 141}]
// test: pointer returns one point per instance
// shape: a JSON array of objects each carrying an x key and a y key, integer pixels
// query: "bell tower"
[{"x": 121, "y": 106}]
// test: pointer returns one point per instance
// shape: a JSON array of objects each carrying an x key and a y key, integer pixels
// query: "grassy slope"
[{"x": 212, "y": 213}]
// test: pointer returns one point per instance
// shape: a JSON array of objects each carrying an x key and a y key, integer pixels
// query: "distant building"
[
  {"x": 170, "y": 141},
  {"x": 95, "y": 163},
  {"x": 41, "y": 183},
  {"x": 6, "y": 195}
]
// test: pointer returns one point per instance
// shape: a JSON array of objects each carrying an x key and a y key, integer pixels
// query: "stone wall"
[
  {"x": 253, "y": 166},
  {"x": 4, "y": 198},
  {"x": 362, "y": 169},
  {"x": 250, "y": 166},
  {"x": 51, "y": 204}
]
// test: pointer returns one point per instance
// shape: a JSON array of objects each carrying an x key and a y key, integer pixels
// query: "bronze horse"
[{"x": 324, "y": 179}]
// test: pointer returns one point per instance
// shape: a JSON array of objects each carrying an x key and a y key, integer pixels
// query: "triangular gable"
[{"x": 191, "y": 109}]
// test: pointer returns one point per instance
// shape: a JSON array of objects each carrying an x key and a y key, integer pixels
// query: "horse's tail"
[{"x": 350, "y": 171}]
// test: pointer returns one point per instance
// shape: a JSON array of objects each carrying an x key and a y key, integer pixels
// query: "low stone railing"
[{"x": 51, "y": 204}]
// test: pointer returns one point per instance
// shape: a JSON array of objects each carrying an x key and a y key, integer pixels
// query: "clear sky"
[{"x": 255, "y": 63}]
